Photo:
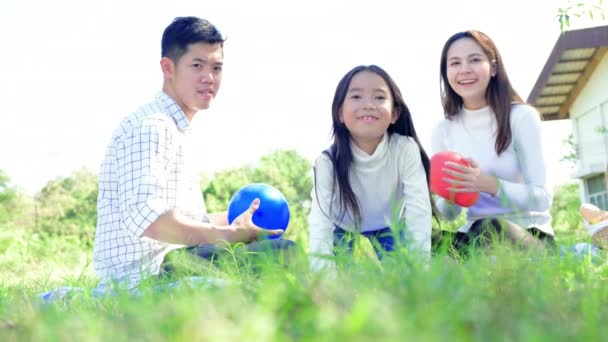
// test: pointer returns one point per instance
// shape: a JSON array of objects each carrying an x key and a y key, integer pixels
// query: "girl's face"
[
  {"x": 367, "y": 110},
  {"x": 469, "y": 71}
]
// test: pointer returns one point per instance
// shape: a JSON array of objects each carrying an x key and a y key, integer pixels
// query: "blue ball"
[{"x": 273, "y": 212}]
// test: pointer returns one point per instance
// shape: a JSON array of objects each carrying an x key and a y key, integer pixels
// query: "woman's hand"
[{"x": 469, "y": 178}]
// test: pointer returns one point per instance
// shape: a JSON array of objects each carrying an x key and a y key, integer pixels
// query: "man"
[{"x": 150, "y": 200}]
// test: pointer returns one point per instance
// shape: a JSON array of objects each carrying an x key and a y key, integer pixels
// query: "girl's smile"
[{"x": 367, "y": 110}]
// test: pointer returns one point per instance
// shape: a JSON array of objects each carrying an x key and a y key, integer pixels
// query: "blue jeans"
[{"x": 384, "y": 238}]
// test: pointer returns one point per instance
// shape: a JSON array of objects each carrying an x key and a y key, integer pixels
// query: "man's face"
[{"x": 195, "y": 79}]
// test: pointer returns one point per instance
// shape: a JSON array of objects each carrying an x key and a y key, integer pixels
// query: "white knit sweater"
[
  {"x": 391, "y": 180},
  {"x": 523, "y": 197}
]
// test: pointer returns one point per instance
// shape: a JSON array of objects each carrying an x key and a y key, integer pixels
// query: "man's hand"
[
  {"x": 174, "y": 227},
  {"x": 244, "y": 228}
]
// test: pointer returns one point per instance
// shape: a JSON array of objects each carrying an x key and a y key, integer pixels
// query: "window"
[{"x": 596, "y": 191}]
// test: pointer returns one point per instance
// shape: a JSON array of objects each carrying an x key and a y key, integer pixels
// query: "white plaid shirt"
[{"x": 146, "y": 171}]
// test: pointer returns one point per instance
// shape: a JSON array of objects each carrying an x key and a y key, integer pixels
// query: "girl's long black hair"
[{"x": 340, "y": 153}]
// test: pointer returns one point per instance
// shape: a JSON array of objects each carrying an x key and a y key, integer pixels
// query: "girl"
[
  {"x": 375, "y": 164},
  {"x": 487, "y": 121}
]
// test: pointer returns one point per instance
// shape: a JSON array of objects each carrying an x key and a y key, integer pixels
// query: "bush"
[
  {"x": 68, "y": 207},
  {"x": 566, "y": 217},
  {"x": 15, "y": 207}
]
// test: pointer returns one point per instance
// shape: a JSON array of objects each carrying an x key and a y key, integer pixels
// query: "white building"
[{"x": 574, "y": 85}]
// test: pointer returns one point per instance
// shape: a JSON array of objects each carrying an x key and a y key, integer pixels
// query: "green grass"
[
  {"x": 500, "y": 294},
  {"x": 28, "y": 258}
]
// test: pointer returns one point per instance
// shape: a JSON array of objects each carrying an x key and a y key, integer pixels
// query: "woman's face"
[{"x": 469, "y": 71}]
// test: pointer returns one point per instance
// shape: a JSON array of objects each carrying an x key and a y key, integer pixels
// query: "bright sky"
[{"x": 73, "y": 69}]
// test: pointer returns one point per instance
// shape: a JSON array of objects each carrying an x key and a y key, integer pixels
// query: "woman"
[{"x": 487, "y": 122}]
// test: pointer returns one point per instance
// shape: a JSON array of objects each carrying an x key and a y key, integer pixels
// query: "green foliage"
[
  {"x": 68, "y": 207},
  {"x": 567, "y": 221},
  {"x": 220, "y": 188},
  {"x": 29, "y": 258},
  {"x": 14, "y": 206},
  {"x": 571, "y": 155},
  {"x": 6, "y": 191},
  {"x": 7, "y": 198},
  {"x": 291, "y": 174},
  {"x": 578, "y": 9}
]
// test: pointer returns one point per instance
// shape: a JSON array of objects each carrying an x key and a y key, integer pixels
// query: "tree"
[
  {"x": 288, "y": 172},
  {"x": 579, "y": 9},
  {"x": 219, "y": 188},
  {"x": 7, "y": 196},
  {"x": 571, "y": 154},
  {"x": 14, "y": 206},
  {"x": 291, "y": 174},
  {"x": 68, "y": 206},
  {"x": 564, "y": 211}
]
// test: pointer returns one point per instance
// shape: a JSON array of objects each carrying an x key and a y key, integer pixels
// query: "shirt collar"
[
  {"x": 362, "y": 158},
  {"x": 173, "y": 110}
]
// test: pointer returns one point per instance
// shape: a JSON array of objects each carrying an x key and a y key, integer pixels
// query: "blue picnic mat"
[{"x": 66, "y": 293}]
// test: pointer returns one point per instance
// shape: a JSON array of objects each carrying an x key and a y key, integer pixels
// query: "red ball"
[{"x": 440, "y": 187}]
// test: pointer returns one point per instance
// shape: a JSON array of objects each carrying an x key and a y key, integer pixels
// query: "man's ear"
[{"x": 167, "y": 67}]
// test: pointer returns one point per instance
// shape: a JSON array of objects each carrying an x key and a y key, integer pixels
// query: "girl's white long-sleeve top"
[
  {"x": 391, "y": 180},
  {"x": 524, "y": 196}
]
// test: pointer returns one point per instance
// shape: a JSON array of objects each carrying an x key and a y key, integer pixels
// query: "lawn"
[{"x": 498, "y": 294}]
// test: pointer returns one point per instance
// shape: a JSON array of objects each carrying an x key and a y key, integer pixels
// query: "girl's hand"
[{"x": 469, "y": 178}]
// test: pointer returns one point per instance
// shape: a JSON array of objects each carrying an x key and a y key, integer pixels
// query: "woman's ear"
[
  {"x": 395, "y": 116},
  {"x": 493, "y": 68},
  {"x": 340, "y": 116}
]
